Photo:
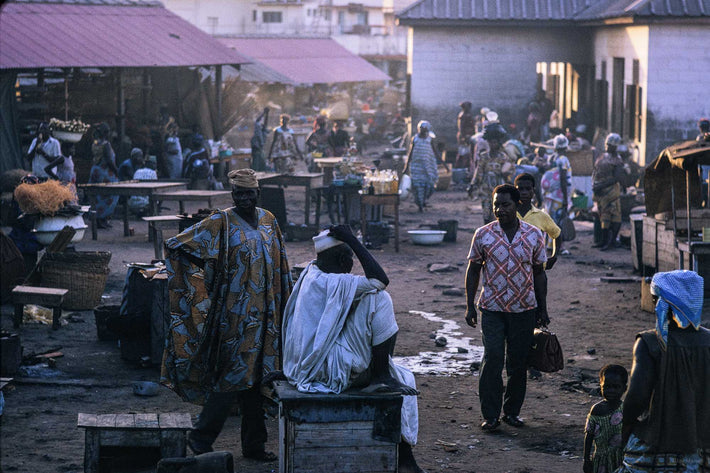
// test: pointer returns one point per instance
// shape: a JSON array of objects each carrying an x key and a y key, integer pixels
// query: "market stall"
[{"x": 676, "y": 227}]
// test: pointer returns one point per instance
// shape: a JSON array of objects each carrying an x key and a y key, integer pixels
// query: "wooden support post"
[
  {"x": 17, "y": 318},
  {"x": 92, "y": 450},
  {"x": 56, "y": 315},
  {"x": 66, "y": 94},
  {"x": 172, "y": 443},
  {"x": 121, "y": 106},
  {"x": 218, "y": 97}
]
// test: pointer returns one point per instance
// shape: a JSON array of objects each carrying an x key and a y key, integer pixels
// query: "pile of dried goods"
[{"x": 45, "y": 199}]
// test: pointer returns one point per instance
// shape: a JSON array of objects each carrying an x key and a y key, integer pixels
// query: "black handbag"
[
  {"x": 546, "y": 352},
  {"x": 568, "y": 232}
]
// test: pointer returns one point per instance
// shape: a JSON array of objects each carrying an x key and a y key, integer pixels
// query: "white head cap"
[
  {"x": 324, "y": 241},
  {"x": 492, "y": 116}
]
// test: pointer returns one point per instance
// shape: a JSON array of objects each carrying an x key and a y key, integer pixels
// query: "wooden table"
[
  {"x": 328, "y": 165},
  {"x": 166, "y": 431},
  {"x": 309, "y": 180},
  {"x": 156, "y": 225},
  {"x": 380, "y": 199},
  {"x": 336, "y": 197},
  {"x": 192, "y": 195},
  {"x": 130, "y": 188}
]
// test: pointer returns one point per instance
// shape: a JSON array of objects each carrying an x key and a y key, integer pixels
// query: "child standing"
[{"x": 603, "y": 429}]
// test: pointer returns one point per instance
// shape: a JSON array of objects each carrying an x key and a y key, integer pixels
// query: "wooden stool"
[
  {"x": 166, "y": 431},
  {"x": 44, "y": 296},
  {"x": 338, "y": 433}
]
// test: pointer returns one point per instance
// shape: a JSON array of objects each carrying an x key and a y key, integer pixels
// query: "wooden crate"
[
  {"x": 337, "y": 433},
  {"x": 167, "y": 431},
  {"x": 659, "y": 245},
  {"x": 646, "y": 299}
]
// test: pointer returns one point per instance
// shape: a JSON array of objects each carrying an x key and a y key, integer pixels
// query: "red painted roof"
[
  {"x": 304, "y": 60},
  {"x": 112, "y": 34}
]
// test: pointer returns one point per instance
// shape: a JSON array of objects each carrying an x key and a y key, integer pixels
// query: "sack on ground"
[{"x": 546, "y": 352}]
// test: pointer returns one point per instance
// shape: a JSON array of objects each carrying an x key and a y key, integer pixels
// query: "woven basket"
[{"x": 83, "y": 274}]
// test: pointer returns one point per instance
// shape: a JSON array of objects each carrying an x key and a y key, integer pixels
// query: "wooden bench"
[
  {"x": 194, "y": 195},
  {"x": 44, "y": 296},
  {"x": 337, "y": 433},
  {"x": 166, "y": 431}
]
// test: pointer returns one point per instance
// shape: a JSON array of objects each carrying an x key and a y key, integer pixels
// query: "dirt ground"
[{"x": 595, "y": 321}]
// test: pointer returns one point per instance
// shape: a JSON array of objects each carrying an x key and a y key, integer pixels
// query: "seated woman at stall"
[{"x": 139, "y": 204}]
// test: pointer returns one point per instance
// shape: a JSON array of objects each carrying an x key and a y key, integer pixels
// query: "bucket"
[
  {"x": 450, "y": 227},
  {"x": 103, "y": 315}
]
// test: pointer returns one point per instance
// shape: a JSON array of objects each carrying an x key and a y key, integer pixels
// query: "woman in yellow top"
[{"x": 527, "y": 212}]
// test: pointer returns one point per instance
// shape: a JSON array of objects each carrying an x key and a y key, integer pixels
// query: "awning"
[
  {"x": 301, "y": 61},
  {"x": 106, "y": 34},
  {"x": 670, "y": 171}
]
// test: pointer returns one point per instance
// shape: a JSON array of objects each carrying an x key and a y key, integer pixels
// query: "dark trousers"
[
  {"x": 216, "y": 410},
  {"x": 506, "y": 336}
]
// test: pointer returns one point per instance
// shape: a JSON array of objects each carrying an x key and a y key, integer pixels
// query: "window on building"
[
  {"x": 341, "y": 18},
  {"x": 617, "y": 96},
  {"x": 361, "y": 18},
  {"x": 253, "y": 16},
  {"x": 212, "y": 22},
  {"x": 632, "y": 108},
  {"x": 271, "y": 17},
  {"x": 327, "y": 14}
]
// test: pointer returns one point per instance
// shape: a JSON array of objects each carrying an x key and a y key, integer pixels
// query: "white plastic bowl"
[
  {"x": 426, "y": 237},
  {"x": 48, "y": 227}
]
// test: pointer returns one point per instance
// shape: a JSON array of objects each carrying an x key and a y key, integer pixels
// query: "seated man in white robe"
[{"x": 339, "y": 331}]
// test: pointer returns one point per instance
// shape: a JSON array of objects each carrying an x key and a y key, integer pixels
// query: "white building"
[
  {"x": 638, "y": 68},
  {"x": 366, "y": 27}
]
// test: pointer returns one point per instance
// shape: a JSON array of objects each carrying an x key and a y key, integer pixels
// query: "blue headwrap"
[{"x": 682, "y": 292}]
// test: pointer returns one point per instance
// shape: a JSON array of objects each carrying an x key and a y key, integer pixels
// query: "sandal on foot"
[
  {"x": 513, "y": 421},
  {"x": 490, "y": 425}
]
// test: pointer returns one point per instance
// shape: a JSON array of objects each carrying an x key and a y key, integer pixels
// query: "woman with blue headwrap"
[
  {"x": 666, "y": 417},
  {"x": 421, "y": 165}
]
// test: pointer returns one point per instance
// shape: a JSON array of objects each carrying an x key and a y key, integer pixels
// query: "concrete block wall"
[
  {"x": 492, "y": 67},
  {"x": 678, "y": 72}
]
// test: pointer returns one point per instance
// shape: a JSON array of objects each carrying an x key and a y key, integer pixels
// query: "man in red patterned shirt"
[{"x": 510, "y": 253}]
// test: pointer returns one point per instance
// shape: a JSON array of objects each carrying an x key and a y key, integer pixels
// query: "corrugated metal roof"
[
  {"x": 106, "y": 34},
  {"x": 302, "y": 61},
  {"x": 565, "y": 11},
  {"x": 646, "y": 8}
]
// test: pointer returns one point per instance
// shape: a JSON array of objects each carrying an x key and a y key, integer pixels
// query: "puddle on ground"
[{"x": 448, "y": 361}]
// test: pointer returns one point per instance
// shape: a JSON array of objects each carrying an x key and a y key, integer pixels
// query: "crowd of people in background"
[{"x": 492, "y": 155}]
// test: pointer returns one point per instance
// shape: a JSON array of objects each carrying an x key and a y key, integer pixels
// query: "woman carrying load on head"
[{"x": 422, "y": 165}]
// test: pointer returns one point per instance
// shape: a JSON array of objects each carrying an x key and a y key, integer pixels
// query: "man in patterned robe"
[{"x": 229, "y": 281}]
